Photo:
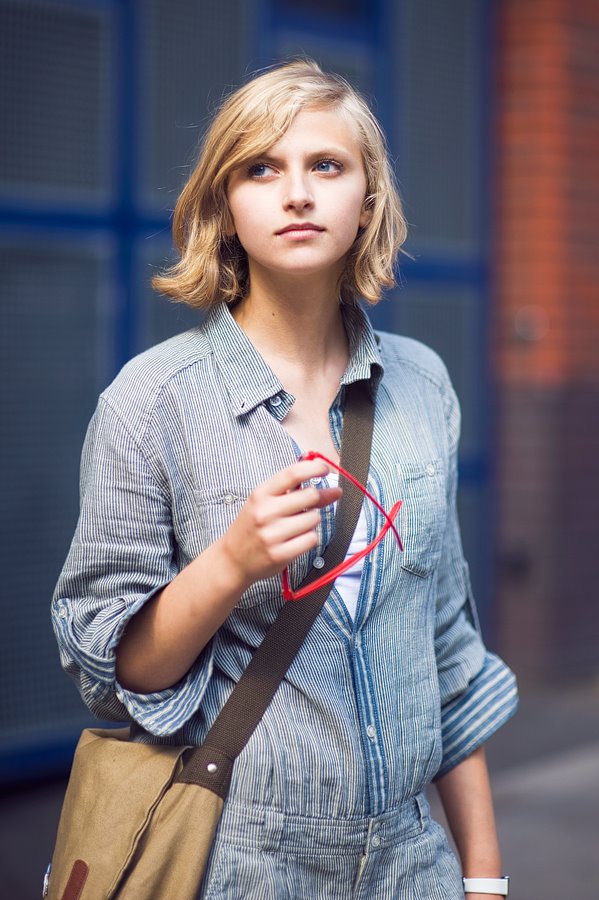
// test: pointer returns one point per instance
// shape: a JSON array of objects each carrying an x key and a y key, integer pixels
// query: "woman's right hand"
[{"x": 277, "y": 523}]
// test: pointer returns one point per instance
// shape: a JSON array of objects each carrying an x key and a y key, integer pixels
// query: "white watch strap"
[{"x": 487, "y": 886}]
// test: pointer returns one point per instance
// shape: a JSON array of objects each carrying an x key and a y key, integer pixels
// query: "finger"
[
  {"x": 303, "y": 498},
  {"x": 328, "y": 496},
  {"x": 291, "y": 549},
  {"x": 293, "y": 476},
  {"x": 289, "y": 527}
]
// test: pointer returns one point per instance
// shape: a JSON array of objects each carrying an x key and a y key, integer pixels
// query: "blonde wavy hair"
[{"x": 213, "y": 265}]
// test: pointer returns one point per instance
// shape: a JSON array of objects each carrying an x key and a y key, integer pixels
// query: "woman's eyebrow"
[
  {"x": 331, "y": 152},
  {"x": 319, "y": 153},
  {"x": 267, "y": 158}
]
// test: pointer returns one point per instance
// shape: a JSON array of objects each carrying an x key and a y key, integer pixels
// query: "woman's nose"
[{"x": 298, "y": 194}]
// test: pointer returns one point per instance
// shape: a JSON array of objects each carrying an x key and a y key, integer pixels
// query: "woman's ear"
[{"x": 366, "y": 211}]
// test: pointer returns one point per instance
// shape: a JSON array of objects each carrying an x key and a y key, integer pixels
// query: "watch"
[{"x": 487, "y": 885}]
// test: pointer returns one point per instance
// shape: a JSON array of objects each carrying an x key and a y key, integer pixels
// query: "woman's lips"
[{"x": 300, "y": 230}]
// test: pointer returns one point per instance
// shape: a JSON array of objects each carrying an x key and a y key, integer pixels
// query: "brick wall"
[{"x": 546, "y": 353}]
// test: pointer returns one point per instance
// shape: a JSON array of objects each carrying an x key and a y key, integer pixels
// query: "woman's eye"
[
  {"x": 327, "y": 166},
  {"x": 260, "y": 170}
]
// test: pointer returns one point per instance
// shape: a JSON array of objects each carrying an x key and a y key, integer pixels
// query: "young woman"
[{"x": 195, "y": 497}]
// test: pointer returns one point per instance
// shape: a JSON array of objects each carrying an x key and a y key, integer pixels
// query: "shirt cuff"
[
  {"x": 470, "y": 719},
  {"x": 93, "y": 668},
  {"x": 163, "y": 713}
]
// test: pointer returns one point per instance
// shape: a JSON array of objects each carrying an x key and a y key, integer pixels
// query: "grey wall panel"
[
  {"x": 55, "y": 101},
  {"x": 192, "y": 53},
  {"x": 477, "y": 534},
  {"x": 159, "y": 318},
  {"x": 438, "y": 90},
  {"x": 353, "y": 61},
  {"x": 447, "y": 318},
  {"x": 54, "y": 362}
]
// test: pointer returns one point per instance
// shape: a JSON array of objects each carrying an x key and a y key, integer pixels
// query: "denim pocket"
[
  {"x": 217, "y": 508},
  {"x": 422, "y": 488}
]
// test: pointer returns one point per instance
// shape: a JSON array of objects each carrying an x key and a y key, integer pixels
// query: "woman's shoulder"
[
  {"x": 414, "y": 356},
  {"x": 417, "y": 377},
  {"x": 144, "y": 378}
]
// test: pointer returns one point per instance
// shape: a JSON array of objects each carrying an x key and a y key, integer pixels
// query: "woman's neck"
[{"x": 295, "y": 326}]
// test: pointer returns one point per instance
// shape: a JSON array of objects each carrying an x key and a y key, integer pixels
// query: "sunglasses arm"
[{"x": 289, "y": 594}]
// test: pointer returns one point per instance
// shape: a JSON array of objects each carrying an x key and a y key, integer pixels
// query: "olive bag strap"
[{"x": 211, "y": 764}]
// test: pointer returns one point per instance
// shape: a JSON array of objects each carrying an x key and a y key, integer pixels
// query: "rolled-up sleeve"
[
  {"x": 122, "y": 554},
  {"x": 478, "y": 691}
]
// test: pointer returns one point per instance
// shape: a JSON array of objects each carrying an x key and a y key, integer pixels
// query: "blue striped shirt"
[{"x": 374, "y": 707}]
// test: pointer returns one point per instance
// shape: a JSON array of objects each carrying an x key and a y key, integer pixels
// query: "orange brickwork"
[{"x": 546, "y": 353}]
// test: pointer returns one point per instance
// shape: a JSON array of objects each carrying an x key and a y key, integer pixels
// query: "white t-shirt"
[{"x": 348, "y": 584}]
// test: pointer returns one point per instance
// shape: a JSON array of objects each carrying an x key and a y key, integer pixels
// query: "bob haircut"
[{"x": 213, "y": 265}]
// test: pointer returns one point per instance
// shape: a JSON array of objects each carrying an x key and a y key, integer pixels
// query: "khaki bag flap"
[{"x": 113, "y": 809}]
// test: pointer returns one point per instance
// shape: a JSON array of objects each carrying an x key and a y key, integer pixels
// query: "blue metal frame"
[
  {"x": 360, "y": 30},
  {"x": 123, "y": 220}
]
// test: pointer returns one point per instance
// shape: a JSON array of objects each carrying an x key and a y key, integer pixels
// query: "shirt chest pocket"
[
  {"x": 423, "y": 515},
  {"x": 216, "y": 510}
]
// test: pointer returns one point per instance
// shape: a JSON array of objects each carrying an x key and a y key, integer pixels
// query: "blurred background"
[{"x": 491, "y": 108}]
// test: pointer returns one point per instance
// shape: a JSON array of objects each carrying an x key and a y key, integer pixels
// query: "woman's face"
[{"x": 297, "y": 208}]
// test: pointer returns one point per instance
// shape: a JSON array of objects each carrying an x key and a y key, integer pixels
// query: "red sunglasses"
[{"x": 288, "y": 594}]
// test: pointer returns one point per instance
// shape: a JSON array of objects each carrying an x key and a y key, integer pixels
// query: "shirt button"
[
  {"x": 316, "y": 482},
  {"x": 376, "y": 841},
  {"x": 430, "y": 469},
  {"x": 228, "y": 498},
  {"x": 276, "y": 400},
  {"x": 318, "y": 562},
  {"x": 371, "y": 732},
  {"x": 62, "y": 612}
]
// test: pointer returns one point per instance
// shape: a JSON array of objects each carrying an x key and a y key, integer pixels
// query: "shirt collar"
[
  {"x": 250, "y": 381},
  {"x": 365, "y": 361}
]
